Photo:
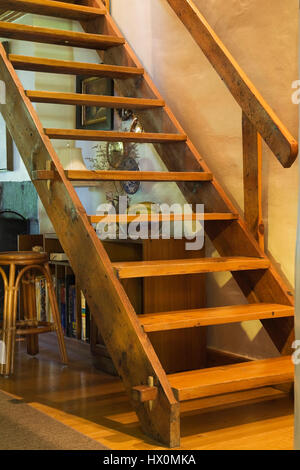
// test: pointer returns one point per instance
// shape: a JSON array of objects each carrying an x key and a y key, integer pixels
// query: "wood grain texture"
[
  {"x": 116, "y": 102},
  {"x": 228, "y": 238},
  {"x": 57, "y": 36},
  {"x": 114, "y": 175},
  {"x": 94, "y": 403},
  {"x": 144, "y": 393},
  {"x": 267, "y": 123},
  {"x": 181, "y": 349},
  {"x": 117, "y": 318},
  {"x": 127, "y": 218},
  {"x": 187, "y": 266},
  {"x": 226, "y": 379},
  {"x": 39, "y": 64},
  {"x": 56, "y": 9},
  {"x": 252, "y": 169},
  {"x": 113, "y": 136},
  {"x": 212, "y": 316}
]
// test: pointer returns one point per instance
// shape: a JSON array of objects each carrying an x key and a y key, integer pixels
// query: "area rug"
[{"x": 24, "y": 428}]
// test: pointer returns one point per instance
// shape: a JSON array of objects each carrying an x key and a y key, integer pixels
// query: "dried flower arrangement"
[{"x": 117, "y": 156}]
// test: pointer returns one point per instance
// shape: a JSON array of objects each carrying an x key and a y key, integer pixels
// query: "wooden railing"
[{"x": 259, "y": 120}]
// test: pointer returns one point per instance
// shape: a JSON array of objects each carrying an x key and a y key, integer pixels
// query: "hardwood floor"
[{"x": 94, "y": 404}]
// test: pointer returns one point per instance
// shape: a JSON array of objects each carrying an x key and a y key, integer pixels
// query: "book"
[
  {"x": 87, "y": 323},
  {"x": 62, "y": 306},
  {"x": 72, "y": 328},
  {"x": 40, "y": 296},
  {"x": 83, "y": 318},
  {"x": 42, "y": 284},
  {"x": 38, "y": 299},
  {"x": 69, "y": 281},
  {"x": 58, "y": 257}
]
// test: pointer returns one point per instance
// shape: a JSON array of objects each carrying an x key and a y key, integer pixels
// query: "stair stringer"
[
  {"x": 229, "y": 238},
  {"x": 129, "y": 347}
]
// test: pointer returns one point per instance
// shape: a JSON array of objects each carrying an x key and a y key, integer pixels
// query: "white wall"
[
  {"x": 263, "y": 38},
  {"x": 22, "y": 48}
]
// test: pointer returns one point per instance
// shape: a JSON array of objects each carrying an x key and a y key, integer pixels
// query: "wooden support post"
[
  {"x": 252, "y": 162},
  {"x": 143, "y": 393}
]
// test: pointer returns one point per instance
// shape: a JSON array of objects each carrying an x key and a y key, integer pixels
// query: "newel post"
[{"x": 252, "y": 168}]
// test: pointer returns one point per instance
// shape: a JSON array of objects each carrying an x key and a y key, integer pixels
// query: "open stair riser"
[
  {"x": 219, "y": 380},
  {"x": 57, "y": 9},
  {"x": 115, "y": 102},
  {"x": 213, "y": 316},
  {"x": 68, "y": 216},
  {"x": 229, "y": 239},
  {"x": 57, "y": 36},
  {"x": 120, "y": 327},
  {"x": 35, "y": 64}
]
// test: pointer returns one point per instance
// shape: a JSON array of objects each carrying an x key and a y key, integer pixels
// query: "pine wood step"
[
  {"x": 128, "y": 218},
  {"x": 117, "y": 102},
  {"x": 213, "y": 316},
  {"x": 114, "y": 175},
  {"x": 134, "y": 269},
  {"x": 57, "y": 36},
  {"x": 112, "y": 136},
  {"x": 39, "y": 64},
  {"x": 53, "y": 8},
  {"x": 226, "y": 379}
]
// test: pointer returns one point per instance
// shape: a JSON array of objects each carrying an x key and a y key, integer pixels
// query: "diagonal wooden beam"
[
  {"x": 129, "y": 347},
  {"x": 265, "y": 120},
  {"x": 230, "y": 239}
]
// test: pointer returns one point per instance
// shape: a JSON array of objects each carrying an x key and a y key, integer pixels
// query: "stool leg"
[
  {"x": 56, "y": 316},
  {"x": 31, "y": 314},
  {"x": 9, "y": 324}
]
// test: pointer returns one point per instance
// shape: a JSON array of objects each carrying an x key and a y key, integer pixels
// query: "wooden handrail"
[{"x": 266, "y": 122}]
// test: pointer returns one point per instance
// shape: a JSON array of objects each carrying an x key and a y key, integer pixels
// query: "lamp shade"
[{"x": 71, "y": 158}]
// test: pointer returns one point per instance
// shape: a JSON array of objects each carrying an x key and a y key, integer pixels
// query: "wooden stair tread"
[
  {"x": 113, "y": 136},
  {"x": 39, "y": 64},
  {"x": 127, "y": 218},
  {"x": 133, "y": 269},
  {"x": 57, "y": 36},
  {"x": 114, "y": 175},
  {"x": 117, "y": 102},
  {"x": 53, "y": 8},
  {"x": 232, "y": 378},
  {"x": 213, "y": 316}
]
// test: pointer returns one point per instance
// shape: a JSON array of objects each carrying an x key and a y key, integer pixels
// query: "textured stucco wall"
[
  {"x": 262, "y": 36},
  {"x": 297, "y": 316}
]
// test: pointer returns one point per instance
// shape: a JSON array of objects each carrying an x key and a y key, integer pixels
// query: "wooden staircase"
[{"x": 154, "y": 395}]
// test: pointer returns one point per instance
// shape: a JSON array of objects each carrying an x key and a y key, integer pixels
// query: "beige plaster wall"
[{"x": 262, "y": 36}]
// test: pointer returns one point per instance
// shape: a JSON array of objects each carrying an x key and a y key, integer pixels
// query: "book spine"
[
  {"x": 72, "y": 312},
  {"x": 38, "y": 299},
  {"x": 88, "y": 323},
  {"x": 63, "y": 307},
  {"x": 83, "y": 318},
  {"x": 42, "y": 283},
  {"x": 70, "y": 280}
]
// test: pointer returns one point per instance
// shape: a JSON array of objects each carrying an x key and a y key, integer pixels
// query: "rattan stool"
[{"x": 28, "y": 263}]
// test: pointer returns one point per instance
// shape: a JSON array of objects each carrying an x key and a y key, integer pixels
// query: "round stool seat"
[
  {"x": 24, "y": 267},
  {"x": 22, "y": 258}
]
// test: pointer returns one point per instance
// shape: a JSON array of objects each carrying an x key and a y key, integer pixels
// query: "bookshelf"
[{"x": 177, "y": 350}]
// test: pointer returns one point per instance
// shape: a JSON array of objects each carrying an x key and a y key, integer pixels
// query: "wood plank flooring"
[{"x": 94, "y": 403}]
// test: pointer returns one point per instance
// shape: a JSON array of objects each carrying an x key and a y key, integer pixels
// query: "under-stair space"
[{"x": 169, "y": 273}]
